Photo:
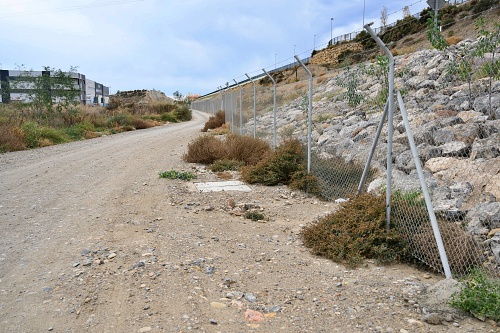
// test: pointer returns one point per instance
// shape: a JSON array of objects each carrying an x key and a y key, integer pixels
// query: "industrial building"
[{"x": 91, "y": 92}]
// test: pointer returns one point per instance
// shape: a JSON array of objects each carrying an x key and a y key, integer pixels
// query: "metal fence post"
[
  {"x": 274, "y": 107},
  {"x": 427, "y": 197},
  {"x": 309, "y": 115},
  {"x": 241, "y": 104},
  {"x": 389, "y": 122},
  {"x": 254, "y": 106}
]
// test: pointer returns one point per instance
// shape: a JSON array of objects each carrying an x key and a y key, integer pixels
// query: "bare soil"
[{"x": 94, "y": 241}]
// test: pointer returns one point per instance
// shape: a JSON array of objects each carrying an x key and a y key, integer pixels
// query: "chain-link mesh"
[{"x": 455, "y": 132}]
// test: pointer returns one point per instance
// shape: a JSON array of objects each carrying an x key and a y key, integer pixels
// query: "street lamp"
[
  {"x": 314, "y": 45},
  {"x": 331, "y": 31},
  {"x": 364, "y": 6},
  {"x": 275, "y": 60}
]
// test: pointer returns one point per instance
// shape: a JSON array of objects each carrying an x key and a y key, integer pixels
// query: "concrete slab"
[{"x": 232, "y": 185}]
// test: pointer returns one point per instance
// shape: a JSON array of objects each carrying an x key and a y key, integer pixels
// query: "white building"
[{"x": 91, "y": 92}]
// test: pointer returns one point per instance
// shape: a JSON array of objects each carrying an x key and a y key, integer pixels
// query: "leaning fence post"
[
  {"x": 372, "y": 151},
  {"x": 423, "y": 185},
  {"x": 309, "y": 115},
  {"x": 390, "y": 120},
  {"x": 254, "y": 106},
  {"x": 274, "y": 107}
]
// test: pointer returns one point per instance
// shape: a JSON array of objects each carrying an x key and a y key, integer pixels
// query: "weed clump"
[
  {"x": 479, "y": 296},
  {"x": 225, "y": 165},
  {"x": 354, "y": 232},
  {"x": 254, "y": 216},
  {"x": 276, "y": 166},
  {"x": 173, "y": 174}
]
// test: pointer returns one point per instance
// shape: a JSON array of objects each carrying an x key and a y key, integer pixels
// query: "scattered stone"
[
  {"x": 213, "y": 321},
  {"x": 218, "y": 305},
  {"x": 254, "y": 316},
  {"x": 111, "y": 255},
  {"x": 271, "y": 309},
  {"x": 228, "y": 282},
  {"x": 250, "y": 297},
  {"x": 432, "y": 318},
  {"x": 145, "y": 329}
]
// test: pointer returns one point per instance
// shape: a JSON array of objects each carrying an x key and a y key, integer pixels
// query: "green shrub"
[
  {"x": 276, "y": 166},
  {"x": 479, "y": 296},
  {"x": 254, "y": 216},
  {"x": 182, "y": 113},
  {"x": 173, "y": 174},
  {"x": 77, "y": 132},
  {"x": 170, "y": 117},
  {"x": 357, "y": 230},
  {"x": 122, "y": 119},
  {"x": 226, "y": 165},
  {"x": 37, "y": 135}
]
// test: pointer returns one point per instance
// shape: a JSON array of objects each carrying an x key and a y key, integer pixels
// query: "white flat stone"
[{"x": 231, "y": 185}]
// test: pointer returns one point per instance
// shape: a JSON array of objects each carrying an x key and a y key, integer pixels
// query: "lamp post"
[
  {"x": 275, "y": 60},
  {"x": 314, "y": 45},
  {"x": 331, "y": 31},
  {"x": 364, "y": 6}
]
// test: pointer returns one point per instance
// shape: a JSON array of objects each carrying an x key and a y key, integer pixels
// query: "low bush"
[
  {"x": 215, "y": 121},
  {"x": 173, "y": 174},
  {"x": 277, "y": 166},
  {"x": 208, "y": 149},
  {"x": 246, "y": 149},
  {"x": 205, "y": 149},
  {"x": 254, "y": 216},
  {"x": 11, "y": 138},
  {"x": 182, "y": 113},
  {"x": 225, "y": 165},
  {"x": 357, "y": 230},
  {"x": 479, "y": 296},
  {"x": 170, "y": 117}
]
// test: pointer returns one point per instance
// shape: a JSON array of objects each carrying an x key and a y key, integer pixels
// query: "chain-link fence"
[{"x": 454, "y": 126}]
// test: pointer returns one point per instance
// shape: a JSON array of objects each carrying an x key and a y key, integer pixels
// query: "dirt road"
[{"x": 93, "y": 241}]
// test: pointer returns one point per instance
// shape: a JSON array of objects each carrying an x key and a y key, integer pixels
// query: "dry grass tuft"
[
  {"x": 11, "y": 138},
  {"x": 453, "y": 40},
  {"x": 215, "y": 121}
]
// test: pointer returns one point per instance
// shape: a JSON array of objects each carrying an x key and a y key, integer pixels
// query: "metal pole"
[
  {"x": 436, "y": 13},
  {"x": 274, "y": 107},
  {"x": 390, "y": 120},
  {"x": 364, "y": 6},
  {"x": 314, "y": 45},
  {"x": 423, "y": 185},
  {"x": 309, "y": 115},
  {"x": 331, "y": 31},
  {"x": 372, "y": 151},
  {"x": 241, "y": 116},
  {"x": 232, "y": 110},
  {"x": 254, "y": 106}
]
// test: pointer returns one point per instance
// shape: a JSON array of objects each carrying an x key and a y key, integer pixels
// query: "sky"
[{"x": 189, "y": 46}]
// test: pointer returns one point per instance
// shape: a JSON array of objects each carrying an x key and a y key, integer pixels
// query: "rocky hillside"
[{"x": 458, "y": 138}]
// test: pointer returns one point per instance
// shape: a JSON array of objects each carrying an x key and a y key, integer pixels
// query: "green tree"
[
  {"x": 49, "y": 95},
  {"x": 434, "y": 33}
]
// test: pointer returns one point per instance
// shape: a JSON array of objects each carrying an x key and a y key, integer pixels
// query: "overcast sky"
[{"x": 190, "y": 46}]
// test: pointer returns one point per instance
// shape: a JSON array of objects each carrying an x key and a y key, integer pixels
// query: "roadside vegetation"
[{"x": 55, "y": 116}]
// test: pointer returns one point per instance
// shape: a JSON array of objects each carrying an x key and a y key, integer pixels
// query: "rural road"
[{"x": 92, "y": 240}]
